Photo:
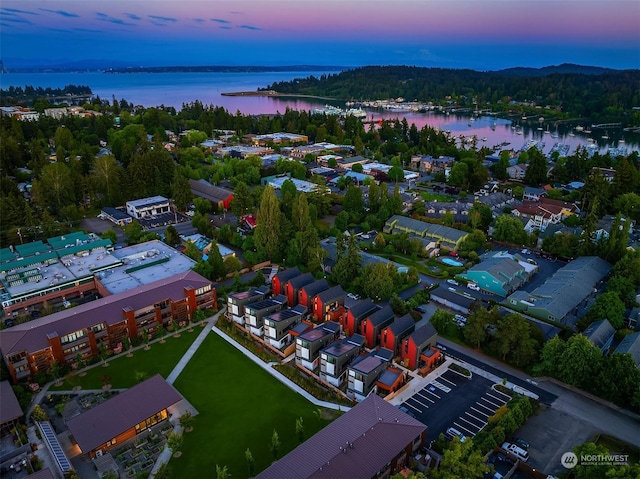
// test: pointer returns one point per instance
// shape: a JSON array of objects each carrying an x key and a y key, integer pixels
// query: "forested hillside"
[{"x": 597, "y": 96}]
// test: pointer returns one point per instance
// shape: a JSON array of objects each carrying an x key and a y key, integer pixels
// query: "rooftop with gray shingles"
[
  {"x": 571, "y": 284},
  {"x": 356, "y": 445}
]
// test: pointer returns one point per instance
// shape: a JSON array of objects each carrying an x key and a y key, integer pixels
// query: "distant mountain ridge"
[{"x": 564, "y": 68}]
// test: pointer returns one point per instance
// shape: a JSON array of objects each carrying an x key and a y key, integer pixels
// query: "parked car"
[
  {"x": 453, "y": 282},
  {"x": 521, "y": 443},
  {"x": 473, "y": 286},
  {"x": 452, "y": 432},
  {"x": 406, "y": 410},
  {"x": 525, "y": 251},
  {"x": 420, "y": 309}
]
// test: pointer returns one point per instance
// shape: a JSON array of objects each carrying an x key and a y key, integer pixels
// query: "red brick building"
[{"x": 83, "y": 331}]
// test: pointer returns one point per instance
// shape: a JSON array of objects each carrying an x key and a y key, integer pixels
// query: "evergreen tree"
[
  {"x": 267, "y": 232},
  {"x": 536, "y": 173},
  {"x": 181, "y": 191}
]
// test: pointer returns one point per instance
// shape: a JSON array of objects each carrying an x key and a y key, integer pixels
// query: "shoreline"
[{"x": 275, "y": 93}]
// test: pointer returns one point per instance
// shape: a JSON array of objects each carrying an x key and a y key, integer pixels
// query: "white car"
[
  {"x": 453, "y": 282},
  {"x": 473, "y": 286}
]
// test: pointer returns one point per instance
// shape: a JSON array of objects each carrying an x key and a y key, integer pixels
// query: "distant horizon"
[
  {"x": 91, "y": 66},
  {"x": 482, "y": 35}
]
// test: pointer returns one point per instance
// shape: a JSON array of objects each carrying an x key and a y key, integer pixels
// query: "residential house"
[
  {"x": 534, "y": 194},
  {"x": 309, "y": 291},
  {"x": 357, "y": 313},
  {"x": 564, "y": 291},
  {"x": 279, "y": 139},
  {"x": 630, "y": 345},
  {"x": 365, "y": 371},
  {"x": 607, "y": 173},
  {"x": 371, "y": 327},
  {"x": 337, "y": 356},
  {"x": 326, "y": 302},
  {"x": 601, "y": 334},
  {"x": 373, "y": 440},
  {"x": 293, "y": 285},
  {"x": 254, "y": 313},
  {"x": 517, "y": 171},
  {"x": 544, "y": 212},
  {"x": 452, "y": 300},
  {"x": 309, "y": 344},
  {"x": 278, "y": 325},
  {"x": 81, "y": 332},
  {"x": 392, "y": 335},
  {"x": 497, "y": 275},
  {"x": 220, "y": 197},
  {"x": 123, "y": 416},
  {"x": 281, "y": 277},
  {"x": 432, "y": 165},
  {"x": 420, "y": 348},
  {"x": 236, "y": 302},
  {"x": 605, "y": 224}
]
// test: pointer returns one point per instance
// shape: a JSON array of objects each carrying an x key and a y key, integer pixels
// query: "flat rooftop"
[
  {"x": 142, "y": 264},
  {"x": 339, "y": 348},
  {"x": 57, "y": 267},
  {"x": 367, "y": 364}
]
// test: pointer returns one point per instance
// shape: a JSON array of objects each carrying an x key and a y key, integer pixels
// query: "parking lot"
[{"x": 452, "y": 400}]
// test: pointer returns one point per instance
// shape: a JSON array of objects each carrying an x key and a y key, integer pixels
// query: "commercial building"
[
  {"x": 148, "y": 207},
  {"x": 220, "y": 197},
  {"x": 10, "y": 410},
  {"x": 56, "y": 272},
  {"x": 123, "y": 416},
  {"x": 76, "y": 334},
  {"x": 452, "y": 300},
  {"x": 564, "y": 291},
  {"x": 498, "y": 275},
  {"x": 373, "y": 440},
  {"x": 447, "y": 237}
]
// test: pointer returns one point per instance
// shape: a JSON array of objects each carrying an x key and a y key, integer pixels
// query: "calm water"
[{"x": 175, "y": 89}]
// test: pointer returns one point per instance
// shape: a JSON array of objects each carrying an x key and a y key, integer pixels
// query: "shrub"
[{"x": 38, "y": 414}]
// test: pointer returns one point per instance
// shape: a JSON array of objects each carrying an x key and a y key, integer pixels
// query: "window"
[{"x": 69, "y": 338}]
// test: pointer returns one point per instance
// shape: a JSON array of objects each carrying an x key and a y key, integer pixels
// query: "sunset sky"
[{"x": 478, "y": 34}]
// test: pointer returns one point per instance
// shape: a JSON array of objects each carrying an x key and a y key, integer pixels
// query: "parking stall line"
[
  {"x": 422, "y": 404},
  {"x": 504, "y": 394},
  {"x": 425, "y": 397},
  {"x": 432, "y": 393},
  {"x": 503, "y": 401},
  {"x": 480, "y": 412},
  {"x": 413, "y": 407},
  {"x": 475, "y": 418},
  {"x": 445, "y": 379},
  {"x": 493, "y": 404},
  {"x": 475, "y": 426},
  {"x": 471, "y": 434},
  {"x": 487, "y": 408}
]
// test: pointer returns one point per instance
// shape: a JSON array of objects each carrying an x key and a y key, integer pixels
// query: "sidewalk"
[{"x": 211, "y": 321}]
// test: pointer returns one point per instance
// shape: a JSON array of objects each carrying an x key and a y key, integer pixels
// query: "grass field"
[
  {"x": 239, "y": 406},
  {"x": 124, "y": 372},
  {"x": 428, "y": 196}
]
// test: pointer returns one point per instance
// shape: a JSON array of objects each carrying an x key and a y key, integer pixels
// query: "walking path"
[{"x": 173, "y": 375}]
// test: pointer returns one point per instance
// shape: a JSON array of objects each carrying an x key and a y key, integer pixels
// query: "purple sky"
[{"x": 476, "y": 34}]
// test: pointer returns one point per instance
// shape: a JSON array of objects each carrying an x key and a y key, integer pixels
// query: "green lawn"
[
  {"x": 428, "y": 196},
  {"x": 239, "y": 406},
  {"x": 123, "y": 371}
]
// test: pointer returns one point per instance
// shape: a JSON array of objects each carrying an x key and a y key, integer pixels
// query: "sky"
[{"x": 477, "y": 34}]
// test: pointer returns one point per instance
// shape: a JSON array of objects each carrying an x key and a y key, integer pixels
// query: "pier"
[{"x": 607, "y": 125}]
